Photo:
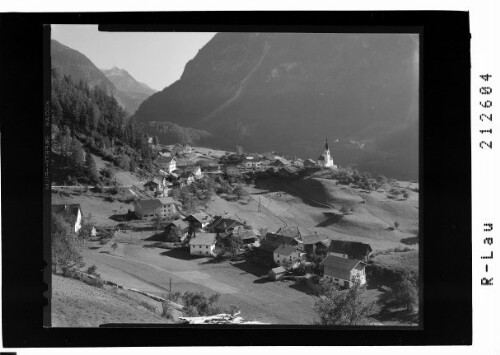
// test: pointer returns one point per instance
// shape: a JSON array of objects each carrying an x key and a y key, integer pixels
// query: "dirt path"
[{"x": 151, "y": 269}]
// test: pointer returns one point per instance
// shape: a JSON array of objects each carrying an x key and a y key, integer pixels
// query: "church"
[{"x": 325, "y": 160}]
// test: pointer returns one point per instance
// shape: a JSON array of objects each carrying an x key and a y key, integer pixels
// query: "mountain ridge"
[{"x": 307, "y": 86}]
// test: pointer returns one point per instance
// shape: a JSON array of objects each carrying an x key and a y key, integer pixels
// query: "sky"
[{"x": 154, "y": 58}]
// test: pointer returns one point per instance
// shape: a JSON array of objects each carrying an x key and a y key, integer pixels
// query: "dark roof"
[
  {"x": 313, "y": 238},
  {"x": 246, "y": 234},
  {"x": 289, "y": 231},
  {"x": 149, "y": 206},
  {"x": 321, "y": 157},
  {"x": 184, "y": 162},
  {"x": 153, "y": 181},
  {"x": 352, "y": 249},
  {"x": 186, "y": 174},
  {"x": 164, "y": 160},
  {"x": 179, "y": 223},
  {"x": 285, "y": 250},
  {"x": 201, "y": 217},
  {"x": 223, "y": 223},
  {"x": 340, "y": 267},
  {"x": 276, "y": 240},
  {"x": 168, "y": 201},
  {"x": 310, "y": 161}
]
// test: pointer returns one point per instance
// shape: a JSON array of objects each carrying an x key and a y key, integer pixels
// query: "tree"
[
  {"x": 91, "y": 168},
  {"x": 240, "y": 191},
  {"x": 77, "y": 155},
  {"x": 65, "y": 246},
  {"x": 343, "y": 307},
  {"x": 405, "y": 291},
  {"x": 396, "y": 224},
  {"x": 114, "y": 246},
  {"x": 123, "y": 162},
  {"x": 233, "y": 243},
  {"x": 406, "y": 195}
]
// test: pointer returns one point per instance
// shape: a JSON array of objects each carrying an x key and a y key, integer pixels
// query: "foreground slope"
[{"x": 76, "y": 304}]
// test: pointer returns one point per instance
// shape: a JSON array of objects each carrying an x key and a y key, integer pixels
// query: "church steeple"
[{"x": 326, "y": 144}]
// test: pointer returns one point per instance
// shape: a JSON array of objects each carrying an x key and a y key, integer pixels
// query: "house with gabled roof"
[
  {"x": 350, "y": 250},
  {"x": 222, "y": 224},
  {"x": 169, "y": 206},
  {"x": 344, "y": 271},
  {"x": 203, "y": 244},
  {"x": 291, "y": 231},
  {"x": 315, "y": 243},
  {"x": 286, "y": 254},
  {"x": 169, "y": 164},
  {"x": 199, "y": 219}
]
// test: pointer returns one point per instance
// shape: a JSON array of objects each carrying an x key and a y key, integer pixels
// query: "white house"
[
  {"x": 196, "y": 171},
  {"x": 203, "y": 244},
  {"x": 71, "y": 213},
  {"x": 325, "y": 160},
  {"x": 344, "y": 271},
  {"x": 168, "y": 164},
  {"x": 286, "y": 254}
]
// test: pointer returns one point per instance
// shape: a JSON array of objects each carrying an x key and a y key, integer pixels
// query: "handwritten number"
[{"x": 489, "y": 145}]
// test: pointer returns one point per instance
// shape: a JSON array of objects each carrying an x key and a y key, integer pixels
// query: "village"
[{"x": 189, "y": 209}]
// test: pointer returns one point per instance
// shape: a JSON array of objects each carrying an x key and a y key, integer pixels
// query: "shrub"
[
  {"x": 113, "y": 190},
  {"x": 109, "y": 199},
  {"x": 108, "y": 173},
  {"x": 92, "y": 270}
]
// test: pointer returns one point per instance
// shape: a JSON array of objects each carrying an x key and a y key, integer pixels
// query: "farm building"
[
  {"x": 291, "y": 231},
  {"x": 178, "y": 226},
  {"x": 309, "y": 163},
  {"x": 222, "y": 224},
  {"x": 203, "y": 244},
  {"x": 277, "y": 273},
  {"x": 147, "y": 208},
  {"x": 169, "y": 206},
  {"x": 350, "y": 250},
  {"x": 248, "y": 237},
  {"x": 344, "y": 271},
  {"x": 71, "y": 213},
  {"x": 187, "y": 177},
  {"x": 315, "y": 243},
  {"x": 199, "y": 220},
  {"x": 280, "y": 162},
  {"x": 196, "y": 171}
]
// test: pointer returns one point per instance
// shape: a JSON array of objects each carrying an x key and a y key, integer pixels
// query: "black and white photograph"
[{"x": 234, "y": 178}]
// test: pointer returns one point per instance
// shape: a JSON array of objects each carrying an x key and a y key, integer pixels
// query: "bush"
[
  {"x": 108, "y": 173},
  {"x": 113, "y": 190},
  {"x": 92, "y": 270}
]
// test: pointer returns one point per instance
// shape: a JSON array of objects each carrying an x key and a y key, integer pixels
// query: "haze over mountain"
[
  {"x": 131, "y": 92},
  {"x": 127, "y": 91},
  {"x": 287, "y": 92}
]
